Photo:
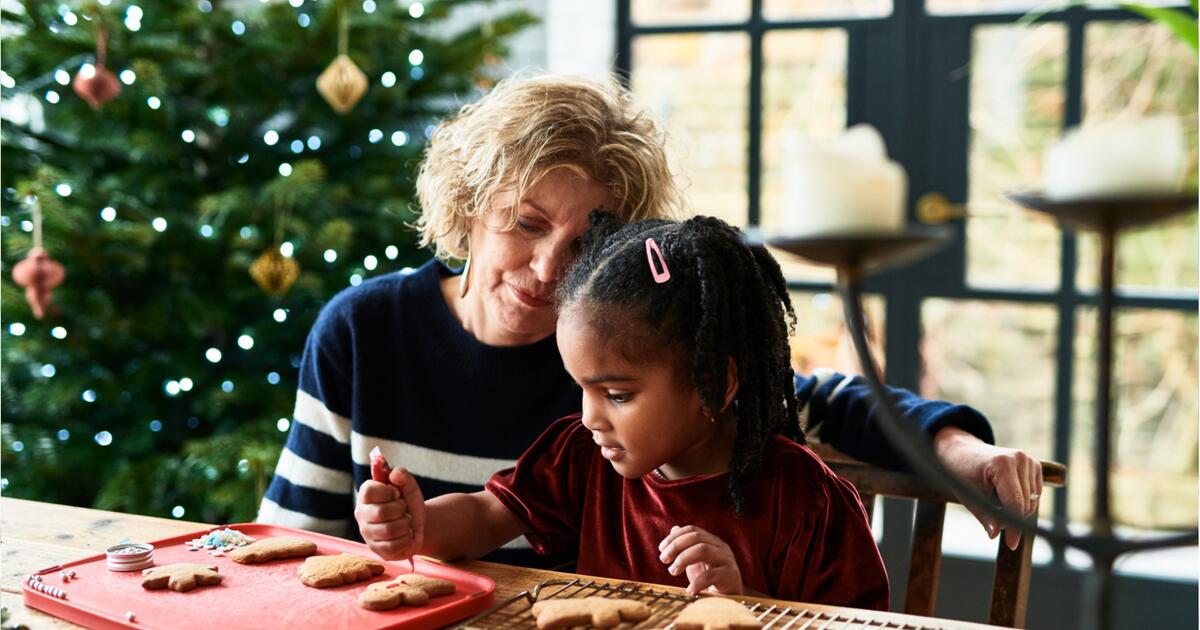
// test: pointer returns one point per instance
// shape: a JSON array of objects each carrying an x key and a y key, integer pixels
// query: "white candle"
[
  {"x": 1115, "y": 159},
  {"x": 844, "y": 185}
]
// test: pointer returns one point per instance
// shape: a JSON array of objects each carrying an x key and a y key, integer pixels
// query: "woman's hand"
[
  {"x": 1012, "y": 474},
  {"x": 391, "y": 516},
  {"x": 706, "y": 559}
]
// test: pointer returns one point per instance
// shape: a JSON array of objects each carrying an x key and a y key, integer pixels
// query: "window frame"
[{"x": 902, "y": 63}]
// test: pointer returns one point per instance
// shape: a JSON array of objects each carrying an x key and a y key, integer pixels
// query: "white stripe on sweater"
[
  {"x": 301, "y": 472},
  {"x": 275, "y": 514},
  {"x": 311, "y": 412},
  {"x": 428, "y": 462}
]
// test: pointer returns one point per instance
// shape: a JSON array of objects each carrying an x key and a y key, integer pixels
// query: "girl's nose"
[{"x": 592, "y": 420}]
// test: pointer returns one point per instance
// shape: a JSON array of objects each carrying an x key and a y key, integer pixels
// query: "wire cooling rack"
[{"x": 514, "y": 612}]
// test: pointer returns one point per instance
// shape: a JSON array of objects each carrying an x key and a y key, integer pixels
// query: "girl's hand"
[
  {"x": 706, "y": 559},
  {"x": 391, "y": 516}
]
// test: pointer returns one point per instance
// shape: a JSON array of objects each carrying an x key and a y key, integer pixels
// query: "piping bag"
[{"x": 380, "y": 471}]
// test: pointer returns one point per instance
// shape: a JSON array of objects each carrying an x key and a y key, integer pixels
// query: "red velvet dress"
[{"x": 803, "y": 536}]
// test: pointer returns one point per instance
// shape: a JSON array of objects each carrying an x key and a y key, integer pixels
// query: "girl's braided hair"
[{"x": 725, "y": 299}]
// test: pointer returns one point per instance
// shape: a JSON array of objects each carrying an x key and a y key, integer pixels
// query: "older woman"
[{"x": 454, "y": 373}]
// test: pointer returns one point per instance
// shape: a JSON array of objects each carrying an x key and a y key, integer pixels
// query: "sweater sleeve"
[
  {"x": 313, "y": 485},
  {"x": 840, "y": 410}
]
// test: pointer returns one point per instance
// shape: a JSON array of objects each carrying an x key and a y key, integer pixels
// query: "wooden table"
[{"x": 37, "y": 535}]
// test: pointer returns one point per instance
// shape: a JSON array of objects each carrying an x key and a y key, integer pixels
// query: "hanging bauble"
[
  {"x": 274, "y": 273},
  {"x": 38, "y": 273},
  {"x": 342, "y": 84},
  {"x": 95, "y": 83}
]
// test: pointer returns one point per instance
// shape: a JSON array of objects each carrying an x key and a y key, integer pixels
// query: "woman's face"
[{"x": 514, "y": 273}]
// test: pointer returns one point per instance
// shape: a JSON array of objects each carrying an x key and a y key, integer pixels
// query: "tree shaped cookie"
[
  {"x": 275, "y": 548},
  {"x": 598, "y": 612},
  {"x": 330, "y": 571},
  {"x": 408, "y": 590},
  {"x": 716, "y": 613},
  {"x": 180, "y": 577}
]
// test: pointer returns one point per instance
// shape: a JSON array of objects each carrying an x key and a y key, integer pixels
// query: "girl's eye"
[{"x": 619, "y": 398}]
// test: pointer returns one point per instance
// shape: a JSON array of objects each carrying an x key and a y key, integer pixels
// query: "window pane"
[
  {"x": 804, "y": 95},
  {"x": 992, "y": 6},
  {"x": 1154, "y": 446},
  {"x": 998, "y": 358},
  {"x": 707, "y": 141},
  {"x": 822, "y": 340},
  {"x": 1017, "y": 94},
  {"x": 1135, "y": 70},
  {"x": 813, "y": 9},
  {"x": 689, "y": 11}
]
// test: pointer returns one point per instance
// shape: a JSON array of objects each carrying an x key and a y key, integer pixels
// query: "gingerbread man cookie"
[
  {"x": 716, "y": 613},
  {"x": 276, "y": 548},
  {"x": 599, "y": 612},
  {"x": 180, "y": 577},
  {"x": 330, "y": 571},
  {"x": 408, "y": 590}
]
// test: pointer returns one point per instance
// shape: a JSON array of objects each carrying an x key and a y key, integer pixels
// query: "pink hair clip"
[{"x": 652, "y": 249}]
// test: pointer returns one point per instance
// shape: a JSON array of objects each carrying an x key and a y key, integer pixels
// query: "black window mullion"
[{"x": 754, "y": 119}]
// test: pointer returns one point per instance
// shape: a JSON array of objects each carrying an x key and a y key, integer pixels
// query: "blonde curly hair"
[{"x": 527, "y": 126}]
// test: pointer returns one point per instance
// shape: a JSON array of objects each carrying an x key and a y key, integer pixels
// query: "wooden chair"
[{"x": 1010, "y": 586}]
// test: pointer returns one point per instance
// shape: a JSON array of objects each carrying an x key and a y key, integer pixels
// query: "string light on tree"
[
  {"x": 153, "y": 102},
  {"x": 185, "y": 384},
  {"x": 17, "y": 329},
  {"x": 108, "y": 213},
  {"x": 283, "y": 424},
  {"x": 58, "y": 332},
  {"x": 416, "y": 10},
  {"x": 88, "y": 396},
  {"x": 128, "y": 77},
  {"x": 159, "y": 224},
  {"x": 227, "y": 386},
  {"x": 245, "y": 342},
  {"x": 270, "y": 137},
  {"x": 280, "y": 316},
  {"x": 392, "y": 252},
  {"x": 213, "y": 355}
]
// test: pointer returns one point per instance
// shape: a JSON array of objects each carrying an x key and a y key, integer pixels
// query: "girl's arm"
[{"x": 467, "y": 525}]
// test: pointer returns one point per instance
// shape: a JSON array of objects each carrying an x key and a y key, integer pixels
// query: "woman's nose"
[{"x": 548, "y": 263}]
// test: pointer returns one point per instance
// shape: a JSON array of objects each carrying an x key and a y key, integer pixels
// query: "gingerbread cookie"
[
  {"x": 330, "y": 571},
  {"x": 716, "y": 613},
  {"x": 408, "y": 590},
  {"x": 180, "y": 577},
  {"x": 599, "y": 612},
  {"x": 276, "y": 548}
]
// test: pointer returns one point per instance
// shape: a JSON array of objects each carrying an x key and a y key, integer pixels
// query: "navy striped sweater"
[{"x": 388, "y": 364}]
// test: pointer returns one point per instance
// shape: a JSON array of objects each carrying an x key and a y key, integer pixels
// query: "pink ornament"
[
  {"x": 38, "y": 274},
  {"x": 95, "y": 84},
  {"x": 96, "y": 87}
]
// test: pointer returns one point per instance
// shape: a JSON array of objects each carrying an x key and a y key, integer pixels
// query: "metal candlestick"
[{"x": 853, "y": 255}]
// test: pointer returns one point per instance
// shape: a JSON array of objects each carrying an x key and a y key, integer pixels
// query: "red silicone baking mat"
[{"x": 264, "y": 596}]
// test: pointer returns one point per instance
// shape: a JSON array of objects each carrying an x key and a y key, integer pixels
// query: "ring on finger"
[{"x": 1033, "y": 496}]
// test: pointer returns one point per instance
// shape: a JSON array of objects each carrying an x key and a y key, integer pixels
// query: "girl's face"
[
  {"x": 514, "y": 272},
  {"x": 643, "y": 414}
]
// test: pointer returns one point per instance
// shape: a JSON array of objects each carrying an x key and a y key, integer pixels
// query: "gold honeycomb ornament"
[
  {"x": 274, "y": 273},
  {"x": 342, "y": 84}
]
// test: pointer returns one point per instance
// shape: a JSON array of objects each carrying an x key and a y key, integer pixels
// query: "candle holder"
[
  {"x": 854, "y": 255},
  {"x": 1106, "y": 217}
]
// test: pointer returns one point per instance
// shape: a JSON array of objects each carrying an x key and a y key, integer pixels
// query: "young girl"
[{"x": 686, "y": 465}]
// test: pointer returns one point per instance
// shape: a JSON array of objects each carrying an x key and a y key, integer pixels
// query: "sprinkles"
[
  {"x": 219, "y": 541},
  {"x": 35, "y": 582}
]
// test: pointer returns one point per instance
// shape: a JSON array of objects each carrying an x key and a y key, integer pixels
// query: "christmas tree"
[{"x": 161, "y": 377}]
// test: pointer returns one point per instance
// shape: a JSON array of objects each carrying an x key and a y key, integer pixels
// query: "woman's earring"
[{"x": 462, "y": 280}]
